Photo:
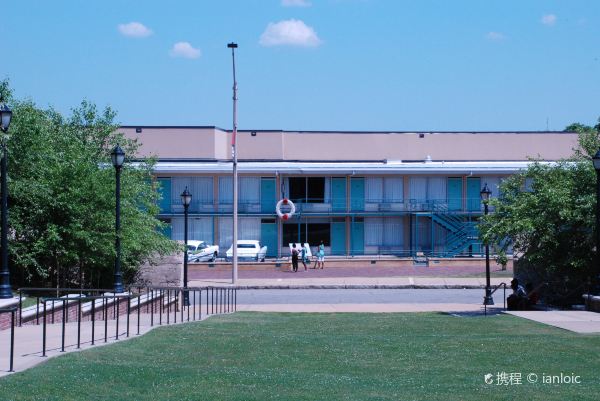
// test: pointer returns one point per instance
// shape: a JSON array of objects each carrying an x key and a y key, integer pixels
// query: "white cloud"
[
  {"x": 549, "y": 19},
  {"x": 134, "y": 30},
  {"x": 295, "y": 3},
  {"x": 289, "y": 32},
  {"x": 185, "y": 50},
  {"x": 495, "y": 36}
]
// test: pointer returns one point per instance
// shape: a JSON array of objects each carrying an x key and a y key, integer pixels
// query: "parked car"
[
  {"x": 200, "y": 251},
  {"x": 248, "y": 250}
]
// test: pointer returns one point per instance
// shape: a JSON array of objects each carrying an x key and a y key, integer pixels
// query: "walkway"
[
  {"x": 365, "y": 271},
  {"x": 305, "y": 280},
  {"x": 576, "y": 321},
  {"x": 28, "y": 338},
  {"x": 366, "y": 308}
]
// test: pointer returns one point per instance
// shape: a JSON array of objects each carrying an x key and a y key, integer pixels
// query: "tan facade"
[{"x": 215, "y": 144}]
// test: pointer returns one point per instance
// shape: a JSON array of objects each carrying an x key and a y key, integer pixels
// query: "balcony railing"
[{"x": 320, "y": 205}]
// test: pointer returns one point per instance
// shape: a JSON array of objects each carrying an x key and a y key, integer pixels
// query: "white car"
[
  {"x": 200, "y": 251},
  {"x": 248, "y": 250}
]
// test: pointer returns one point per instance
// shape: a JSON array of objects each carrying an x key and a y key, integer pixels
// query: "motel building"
[{"x": 362, "y": 193}]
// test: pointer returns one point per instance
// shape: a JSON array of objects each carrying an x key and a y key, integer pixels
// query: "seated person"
[
  {"x": 518, "y": 299},
  {"x": 532, "y": 294}
]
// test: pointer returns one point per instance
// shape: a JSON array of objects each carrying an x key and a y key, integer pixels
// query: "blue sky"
[{"x": 312, "y": 64}]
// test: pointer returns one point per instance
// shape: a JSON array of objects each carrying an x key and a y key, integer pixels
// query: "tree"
[
  {"x": 546, "y": 214},
  {"x": 62, "y": 198}
]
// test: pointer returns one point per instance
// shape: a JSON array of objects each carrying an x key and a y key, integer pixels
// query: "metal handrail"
[
  {"x": 172, "y": 301},
  {"x": 12, "y": 310},
  {"x": 502, "y": 284},
  {"x": 494, "y": 289},
  {"x": 28, "y": 290}
]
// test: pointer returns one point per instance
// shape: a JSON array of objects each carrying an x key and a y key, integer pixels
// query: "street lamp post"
[
  {"x": 186, "y": 199},
  {"x": 118, "y": 158},
  {"x": 5, "y": 288},
  {"x": 234, "y": 267},
  {"x": 596, "y": 161},
  {"x": 487, "y": 300}
]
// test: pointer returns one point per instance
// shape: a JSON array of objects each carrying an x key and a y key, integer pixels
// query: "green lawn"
[
  {"x": 254, "y": 356},
  {"x": 30, "y": 301}
]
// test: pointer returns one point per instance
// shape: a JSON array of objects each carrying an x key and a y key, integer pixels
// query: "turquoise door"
[
  {"x": 473, "y": 194},
  {"x": 164, "y": 191},
  {"x": 454, "y": 193},
  {"x": 338, "y": 194},
  {"x": 358, "y": 238},
  {"x": 338, "y": 238},
  {"x": 267, "y": 195},
  {"x": 268, "y": 237},
  {"x": 357, "y": 194}
]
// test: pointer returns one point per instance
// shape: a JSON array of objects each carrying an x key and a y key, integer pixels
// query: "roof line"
[
  {"x": 173, "y": 127},
  {"x": 341, "y": 131},
  {"x": 388, "y": 162},
  {"x": 416, "y": 132}
]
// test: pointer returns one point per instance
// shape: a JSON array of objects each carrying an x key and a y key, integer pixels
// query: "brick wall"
[
  {"x": 72, "y": 310},
  {"x": 5, "y": 320}
]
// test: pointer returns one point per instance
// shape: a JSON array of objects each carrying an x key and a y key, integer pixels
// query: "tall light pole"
[
  {"x": 234, "y": 267},
  {"x": 186, "y": 199},
  {"x": 5, "y": 288},
  {"x": 487, "y": 300},
  {"x": 596, "y": 269},
  {"x": 118, "y": 158}
]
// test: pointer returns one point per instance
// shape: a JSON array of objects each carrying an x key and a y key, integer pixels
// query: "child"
[
  {"x": 304, "y": 258},
  {"x": 321, "y": 255}
]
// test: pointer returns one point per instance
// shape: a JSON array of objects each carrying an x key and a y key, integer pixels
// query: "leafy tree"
[
  {"x": 62, "y": 198},
  {"x": 547, "y": 215}
]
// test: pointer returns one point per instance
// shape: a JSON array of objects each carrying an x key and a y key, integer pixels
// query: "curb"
[{"x": 357, "y": 286}]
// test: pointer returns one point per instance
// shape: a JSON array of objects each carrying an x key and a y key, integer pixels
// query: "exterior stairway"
[{"x": 460, "y": 234}]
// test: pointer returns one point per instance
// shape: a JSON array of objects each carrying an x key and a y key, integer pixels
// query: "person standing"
[
  {"x": 321, "y": 255},
  {"x": 303, "y": 256},
  {"x": 295, "y": 258}
]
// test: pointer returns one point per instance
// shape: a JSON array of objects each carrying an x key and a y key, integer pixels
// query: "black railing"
[
  {"x": 39, "y": 292},
  {"x": 165, "y": 303},
  {"x": 12, "y": 310},
  {"x": 92, "y": 300},
  {"x": 494, "y": 289}
]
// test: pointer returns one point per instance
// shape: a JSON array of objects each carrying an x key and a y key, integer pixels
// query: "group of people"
[
  {"x": 522, "y": 298},
  {"x": 301, "y": 253}
]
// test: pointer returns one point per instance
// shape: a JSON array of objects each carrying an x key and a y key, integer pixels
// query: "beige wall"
[
  {"x": 265, "y": 145},
  {"x": 213, "y": 143},
  {"x": 186, "y": 143}
]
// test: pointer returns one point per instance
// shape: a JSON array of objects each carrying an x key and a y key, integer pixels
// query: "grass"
[
  {"x": 29, "y": 301},
  {"x": 254, "y": 356}
]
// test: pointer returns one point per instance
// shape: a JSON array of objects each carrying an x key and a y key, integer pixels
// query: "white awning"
[{"x": 344, "y": 168}]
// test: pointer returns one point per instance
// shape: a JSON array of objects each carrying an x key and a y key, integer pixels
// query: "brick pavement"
[{"x": 363, "y": 271}]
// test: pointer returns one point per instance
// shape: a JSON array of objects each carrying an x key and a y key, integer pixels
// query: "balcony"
[
  {"x": 243, "y": 207},
  {"x": 195, "y": 207},
  {"x": 320, "y": 206}
]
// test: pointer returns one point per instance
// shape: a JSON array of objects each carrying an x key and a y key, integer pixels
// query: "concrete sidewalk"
[
  {"x": 577, "y": 321},
  {"x": 299, "y": 282},
  {"x": 29, "y": 344},
  {"x": 369, "y": 308}
]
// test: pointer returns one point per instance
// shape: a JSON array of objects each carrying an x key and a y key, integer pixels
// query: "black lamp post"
[
  {"x": 186, "y": 199},
  {"x": 118, "y": 158},
  {"x": 487, "y": 300},
  {"x": 596, "y": 160},
  {"x": 5, "y": 288}
]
